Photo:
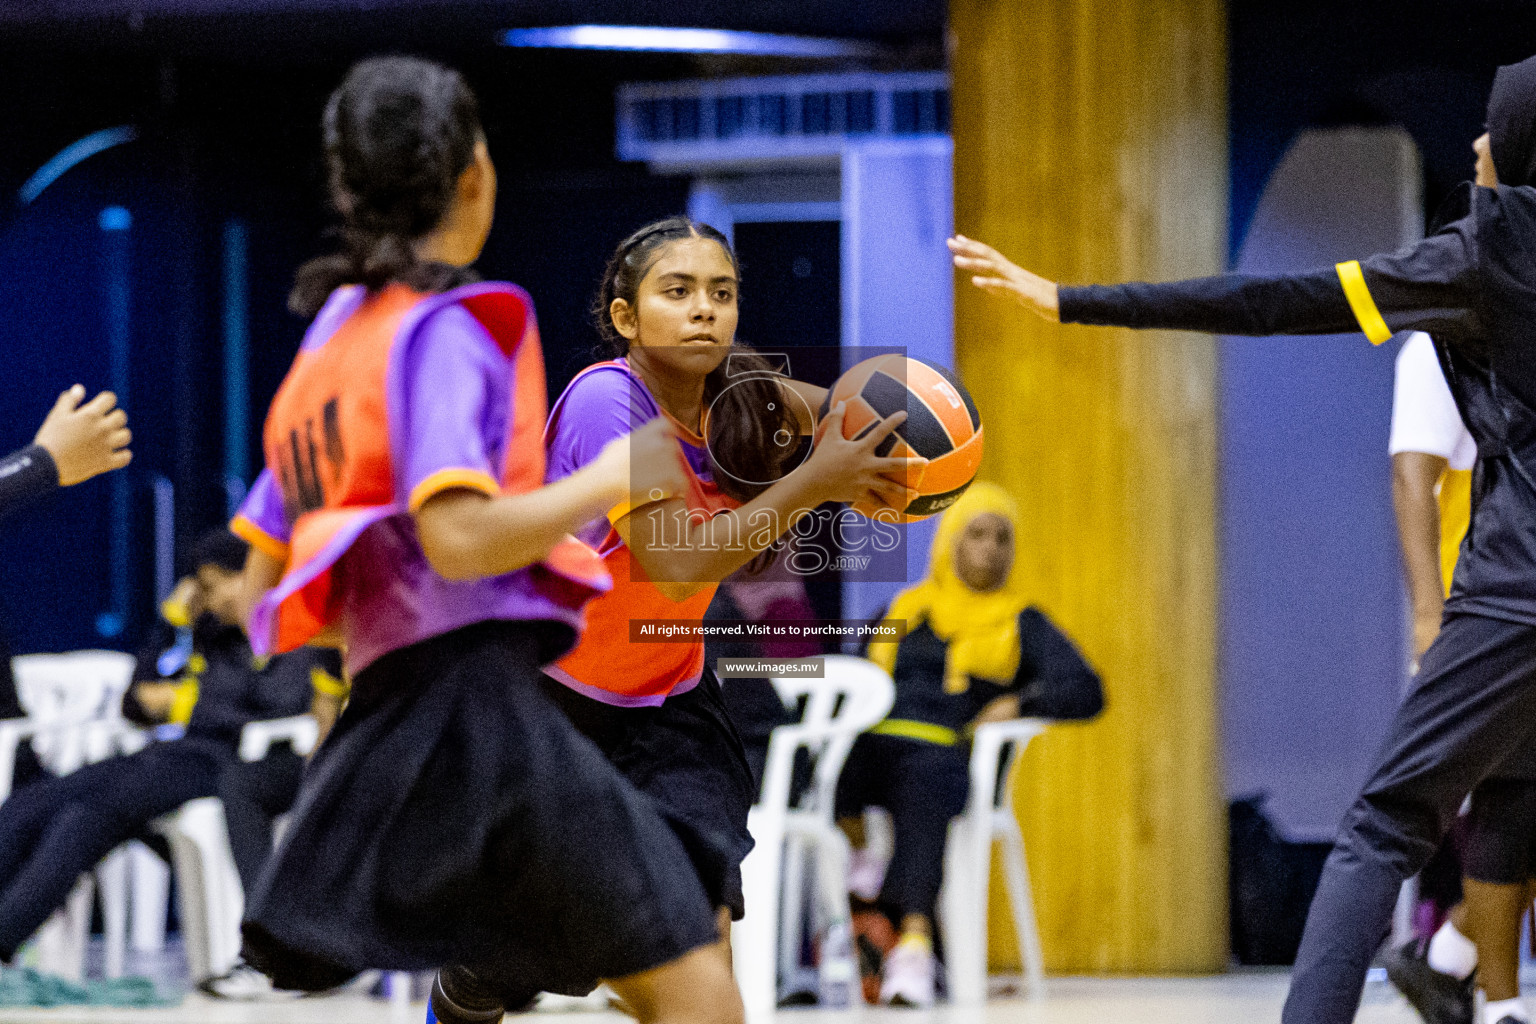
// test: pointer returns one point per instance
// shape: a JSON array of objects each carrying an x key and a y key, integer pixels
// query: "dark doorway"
[
  {"x": 791, "y": 278},
  {"x": 791, "y": 298}
]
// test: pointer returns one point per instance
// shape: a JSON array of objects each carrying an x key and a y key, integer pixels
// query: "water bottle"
[{"x": 838, "y": 972}]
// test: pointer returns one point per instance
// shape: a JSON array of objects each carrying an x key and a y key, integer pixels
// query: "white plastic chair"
[
  {"x": 12, "y": 732},
  {"x": 97, "y": 740},
  {"x": 149, "y": 879},
  {"x": 74, "y": 700},
  {"x": 988, "y": 818},
  {"x": 134, "y": 869},
  {"x": 73, "y": 718},
  {"x": 212, "y": 900},
  {"x": 60, "y": 942},
  {"x": 853, "y": 695}
]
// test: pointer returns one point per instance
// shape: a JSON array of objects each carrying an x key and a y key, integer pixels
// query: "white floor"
[{"x": 1249, "y": 997}]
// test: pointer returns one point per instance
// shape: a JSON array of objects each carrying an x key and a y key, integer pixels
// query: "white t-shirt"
[{"x": 1424, "y": 415}]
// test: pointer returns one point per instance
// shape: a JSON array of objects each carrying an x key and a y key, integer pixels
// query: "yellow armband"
[
  {"x": 183, "y": 700},
  {"x": 927, "y": 732},
  {"x": 1361, "y": 303},
  {"x": 325, "y": 683}
]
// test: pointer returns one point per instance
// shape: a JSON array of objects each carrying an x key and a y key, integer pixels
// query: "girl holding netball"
[
  {"x": 667, "y": 310},
  {"x": 453, "y": 815}
]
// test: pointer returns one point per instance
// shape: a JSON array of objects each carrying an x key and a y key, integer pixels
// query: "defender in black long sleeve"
[
  {"x": 26, "y": 474},
  {"x": 1472, "y": 286}
]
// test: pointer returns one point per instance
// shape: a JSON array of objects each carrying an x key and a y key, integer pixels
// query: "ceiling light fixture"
[{"x": 686, "y": 40}]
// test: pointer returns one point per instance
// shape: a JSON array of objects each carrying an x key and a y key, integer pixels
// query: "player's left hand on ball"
[
  {"x": 892, "y": 494},
  {"x": 85, "y": 440},
  {"x": 993, "y": 272}
]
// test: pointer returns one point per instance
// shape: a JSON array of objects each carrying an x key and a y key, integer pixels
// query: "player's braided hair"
[
  {"x": 747, "y": 406},
  {"x": 398, "y": 132}
]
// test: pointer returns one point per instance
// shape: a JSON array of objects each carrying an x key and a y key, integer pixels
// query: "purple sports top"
[
  {"x": 450, "y": 403},
  {"x": 609, "y": 401}
]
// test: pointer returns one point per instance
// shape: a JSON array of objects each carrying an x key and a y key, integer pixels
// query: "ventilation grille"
[{"x": 797, "y": 116}]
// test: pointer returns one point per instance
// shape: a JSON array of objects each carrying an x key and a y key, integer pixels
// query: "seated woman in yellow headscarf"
[{"x": 975, "y": 652}]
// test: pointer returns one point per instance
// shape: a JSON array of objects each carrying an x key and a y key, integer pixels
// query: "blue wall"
[
  {"x": 221, "y": 140},
  {"x": 1312, "y": 647}
]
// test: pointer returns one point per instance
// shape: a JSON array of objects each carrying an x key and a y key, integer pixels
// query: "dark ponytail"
[
  {"x": 399, "y": 131},
  {"x": 747, "y": 404}
]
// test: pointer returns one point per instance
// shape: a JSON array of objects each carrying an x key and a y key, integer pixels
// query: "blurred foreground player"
[{"x": 1472, "y": 287}]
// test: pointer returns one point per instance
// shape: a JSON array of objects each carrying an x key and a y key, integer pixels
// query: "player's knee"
[
  {"x": 722, "y": 1004},
  {"x": 697, "y": 988}
]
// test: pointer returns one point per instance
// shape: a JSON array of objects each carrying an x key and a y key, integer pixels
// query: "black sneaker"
[
  {"x": 459, "y": 997},
  {"x": 1439, "y": 998}
]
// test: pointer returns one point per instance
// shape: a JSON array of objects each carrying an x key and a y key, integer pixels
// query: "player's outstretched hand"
[
  {"x": 85, "y": 440},
  {"x": 993, "y": 272}
]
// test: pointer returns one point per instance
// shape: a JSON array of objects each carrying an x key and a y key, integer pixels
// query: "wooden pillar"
[{"x": 1090, "y": 146}]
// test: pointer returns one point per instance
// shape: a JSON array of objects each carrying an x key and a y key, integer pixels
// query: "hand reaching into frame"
[
  {"x": 85, "y": 440},
  {"x": 993, "y": 272}
]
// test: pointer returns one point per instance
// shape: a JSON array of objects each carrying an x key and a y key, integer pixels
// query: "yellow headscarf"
[{"x": 981, "y": 630}]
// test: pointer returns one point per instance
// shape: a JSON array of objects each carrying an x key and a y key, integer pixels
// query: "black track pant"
[
  {"x": 55, "y": 830},
  {"x": 1473, "y": 704},
  {"x": 924, "y": 786},
  {"x": 255, "y": 793}
]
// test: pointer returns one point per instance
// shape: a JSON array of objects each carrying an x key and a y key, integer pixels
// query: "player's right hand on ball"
[
  {"x": 85, "y": 440},
  {"x": 851, "y": 471}
]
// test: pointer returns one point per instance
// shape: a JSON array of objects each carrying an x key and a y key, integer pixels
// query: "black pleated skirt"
[
  {"x": 455, "y": 816},
  {"x": 687, "y": 756}
]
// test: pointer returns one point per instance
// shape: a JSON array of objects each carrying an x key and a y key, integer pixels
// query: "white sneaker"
[
  {"x": 244, "y": 983},
  {"x": 866, "y": 874},
  {"x": 908, "y": 976}
]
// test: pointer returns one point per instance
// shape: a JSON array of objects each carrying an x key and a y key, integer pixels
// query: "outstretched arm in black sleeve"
[
  {"x": 1429, "y": 286},
  {"x": 26, "y": 474}
]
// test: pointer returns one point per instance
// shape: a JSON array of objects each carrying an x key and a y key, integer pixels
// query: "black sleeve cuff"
[
  {"x": 1073, "y": 305},
  {"x": 26, "y": 474}
]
